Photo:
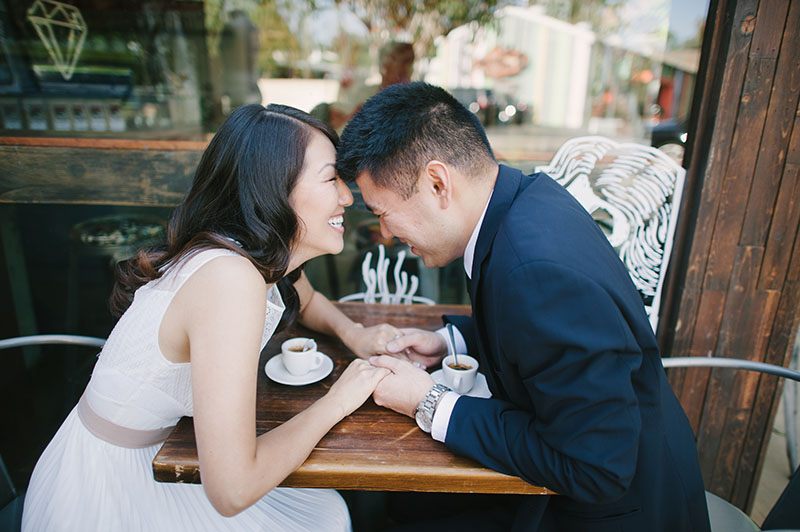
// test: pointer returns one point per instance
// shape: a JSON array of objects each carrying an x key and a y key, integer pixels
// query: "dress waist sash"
[{"x": 117, "y": 434}]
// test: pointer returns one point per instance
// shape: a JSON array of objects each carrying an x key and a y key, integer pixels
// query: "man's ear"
[{"x": 438, "y": 180}]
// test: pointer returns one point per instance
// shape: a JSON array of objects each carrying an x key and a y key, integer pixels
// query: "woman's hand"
[
  {"x": 356, "y": 384},
  {"x": 422, "y": 348},
  {"x": 404, "y": 388},
  {"x": 368, "y": 341}
]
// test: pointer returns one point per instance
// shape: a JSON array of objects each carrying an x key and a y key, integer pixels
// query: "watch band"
[{"x": 427, "y": 407}]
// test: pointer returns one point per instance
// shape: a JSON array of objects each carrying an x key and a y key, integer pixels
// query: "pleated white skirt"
[{"x": 82, "y": 483}]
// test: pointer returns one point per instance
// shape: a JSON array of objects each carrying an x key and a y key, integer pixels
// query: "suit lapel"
[{"x": 505, "y": 190}]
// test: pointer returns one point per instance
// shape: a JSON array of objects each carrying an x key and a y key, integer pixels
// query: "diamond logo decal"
[{"x": 62, "y": 30}]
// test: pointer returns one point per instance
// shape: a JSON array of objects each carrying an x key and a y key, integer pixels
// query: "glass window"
[{"x": 536, "y": 73}]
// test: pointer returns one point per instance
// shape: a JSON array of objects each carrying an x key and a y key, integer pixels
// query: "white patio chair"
[
  {"x": 11, "y": 498},
  {"x": 634, "y": 192},
  {"x": 724, "y": 516}
]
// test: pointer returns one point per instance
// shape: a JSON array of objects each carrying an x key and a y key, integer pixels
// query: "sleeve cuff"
[
  {"x": 441, "y": 417},
  {"x": 461, "y": 344}
]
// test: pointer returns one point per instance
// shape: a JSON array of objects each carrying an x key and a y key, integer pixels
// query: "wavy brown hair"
[{"x": 239, "y": 200}]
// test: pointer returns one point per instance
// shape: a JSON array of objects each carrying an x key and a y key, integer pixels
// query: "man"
[
  {"x": 395, "y": 62},
  {"x": 580, "y": 403}
]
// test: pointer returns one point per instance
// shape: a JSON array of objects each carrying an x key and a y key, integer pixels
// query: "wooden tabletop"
[{"x": 372, "y": 449}]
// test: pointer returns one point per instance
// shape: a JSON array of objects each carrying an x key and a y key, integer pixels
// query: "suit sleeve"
[{"x": 575, "y": 356}]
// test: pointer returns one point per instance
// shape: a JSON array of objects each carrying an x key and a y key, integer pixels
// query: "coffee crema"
[{"x": 459, "y": 366}]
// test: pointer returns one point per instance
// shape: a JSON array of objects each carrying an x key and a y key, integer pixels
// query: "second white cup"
[
  {"x": 460, "y": 378},
  {"x": 297, "y": 361}
]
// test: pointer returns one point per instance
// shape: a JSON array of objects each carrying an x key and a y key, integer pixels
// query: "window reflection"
[
  {"x": 535, "y": 73},
  {"x": 173, "y": 69},
  {"x": 102, "y": 69}
]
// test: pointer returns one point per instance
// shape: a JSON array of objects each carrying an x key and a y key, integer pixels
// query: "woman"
[{"x": 264, "y": 200}]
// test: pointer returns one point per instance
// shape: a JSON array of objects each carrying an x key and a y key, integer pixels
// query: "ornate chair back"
[{"x": 633, "y": 191}]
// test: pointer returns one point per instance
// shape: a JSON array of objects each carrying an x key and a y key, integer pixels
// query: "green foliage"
[{"x": 422, "y": 20}]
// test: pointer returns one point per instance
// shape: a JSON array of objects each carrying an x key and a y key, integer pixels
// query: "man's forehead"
[
  {"x": 375, "y": 197},
  {"x": 366, "y": 185},
  {"x": 364, "y": 180}
]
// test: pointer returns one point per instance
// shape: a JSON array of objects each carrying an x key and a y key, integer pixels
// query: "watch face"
[{"x": 422, "y": 420}]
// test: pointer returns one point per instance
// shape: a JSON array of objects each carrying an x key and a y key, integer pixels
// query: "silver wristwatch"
[{"x": 426, "y": 407}]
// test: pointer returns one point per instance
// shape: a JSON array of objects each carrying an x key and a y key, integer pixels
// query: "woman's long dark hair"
[{"x": 239, "y": 200}]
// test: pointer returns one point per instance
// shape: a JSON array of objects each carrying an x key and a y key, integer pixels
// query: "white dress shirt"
[{"x": 441, "y": 417}]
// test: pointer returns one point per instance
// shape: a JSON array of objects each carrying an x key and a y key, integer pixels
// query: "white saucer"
[
  {"x": 276, "y": 371},
  {"x": 479, "y": 389}
]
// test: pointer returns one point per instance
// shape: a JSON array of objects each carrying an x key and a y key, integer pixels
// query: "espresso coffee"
[
  {"x": 300, "y": 355},
  {"x": 460, "y": 367}
]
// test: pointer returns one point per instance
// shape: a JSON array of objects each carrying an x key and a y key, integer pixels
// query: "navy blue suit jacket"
[{"x": 580, "y": 401}]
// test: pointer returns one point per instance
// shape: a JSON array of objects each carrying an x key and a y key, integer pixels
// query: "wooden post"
[{"x": 734, "y": 288}]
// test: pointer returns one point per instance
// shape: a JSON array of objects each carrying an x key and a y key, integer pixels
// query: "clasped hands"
[{"x": 409, "y": 353}]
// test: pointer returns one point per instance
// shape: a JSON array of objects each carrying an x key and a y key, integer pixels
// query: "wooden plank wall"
[{"x": 735, "y": 291}]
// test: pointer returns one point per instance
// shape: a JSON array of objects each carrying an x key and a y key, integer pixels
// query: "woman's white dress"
[{"x": 84, "y": 483}]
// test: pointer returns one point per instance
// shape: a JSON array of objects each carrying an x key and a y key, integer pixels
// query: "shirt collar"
[{"x": 469, "y": 252}]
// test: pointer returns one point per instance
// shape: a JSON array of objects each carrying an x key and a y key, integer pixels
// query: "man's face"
[
  {"x": 397, "y": 66},
  {"x": 417, "y": 221}
]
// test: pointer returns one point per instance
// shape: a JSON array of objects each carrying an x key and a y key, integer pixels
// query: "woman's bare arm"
[
  {"x": 319, "y": 314},
  {"x": 223, "y": 307}
]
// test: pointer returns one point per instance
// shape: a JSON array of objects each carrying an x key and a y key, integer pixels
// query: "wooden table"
[{"x": 372, "y": 449}]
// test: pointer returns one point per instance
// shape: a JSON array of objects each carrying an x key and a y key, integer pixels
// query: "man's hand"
[
  {"x": 404, "y": 388},
  {"x": 355, "y": 385},
  {"x": 368, "y": 341},
  {"x": 425, "y": 348}
]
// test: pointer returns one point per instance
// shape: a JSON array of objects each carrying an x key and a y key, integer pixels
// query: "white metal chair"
[
  {"x": 724, "y": 516},
  {"x": 10, "y": 497},
  {"x": 45, "y": 339},
  {"x": 790, "y": 399},
  {"x": 634, "y": 192},
  {"x": 376, "y": 282}
]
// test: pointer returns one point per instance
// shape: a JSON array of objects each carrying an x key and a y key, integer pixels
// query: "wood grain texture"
[
  {"x": 735, "y": 294},
  {"x": 780, "y": 121},
  {"x": 106, "y": 143},
  {"x": 63, "y": 175},
  {"x": 723, "y": 66},
  {"x": 373, "y": 448},
  {"x": 738, "y": 178}
]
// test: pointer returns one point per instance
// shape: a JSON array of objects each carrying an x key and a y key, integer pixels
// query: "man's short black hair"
[{"x": 403, "y": 127}]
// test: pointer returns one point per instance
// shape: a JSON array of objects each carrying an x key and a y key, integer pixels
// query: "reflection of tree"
[
  {"x": 422, "y": 20},
  {"x": 697, "y": 41},
  {"x": 692, "y": 43},
  {"x": 285, "y": 44},
  {"x": 274, "y": 35},
  {"x": 603, "y": 16}
]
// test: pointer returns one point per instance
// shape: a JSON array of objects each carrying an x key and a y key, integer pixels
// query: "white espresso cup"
[
  {"x": 299, "y": 362},
  {"x": 460, "y": 380}
]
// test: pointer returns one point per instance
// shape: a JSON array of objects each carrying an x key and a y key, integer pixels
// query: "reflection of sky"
[
  {"x": 323, "y": 24},
  {"x": 646, "y": 22},
  {"x": 685, "y": 16},
  {"x": 644, "y": 25},
  {"x": 327, "y": 24}
]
